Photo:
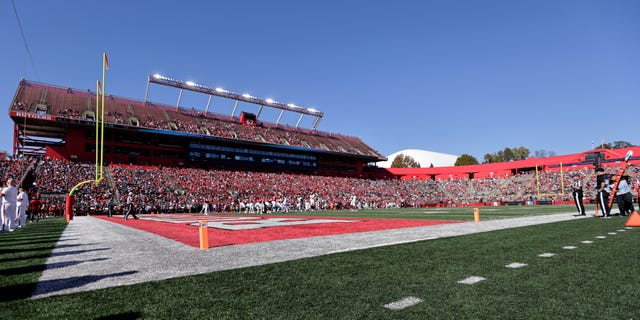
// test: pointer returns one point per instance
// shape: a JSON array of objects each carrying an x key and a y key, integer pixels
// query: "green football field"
[
  {"x": 591, "y": 275},
  {"x": 455, "y": 213}
]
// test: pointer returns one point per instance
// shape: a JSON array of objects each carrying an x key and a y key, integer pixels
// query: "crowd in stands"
[
  {"x": 151, "y": 187},
  {"x": 13, "y": 168},
  {"x": 19, "y": 106},
  {"x": 67, "y": 104},
  {"x": 169, "y": 189}
]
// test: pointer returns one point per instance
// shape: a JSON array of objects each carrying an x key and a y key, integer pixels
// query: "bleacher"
[
  {"x": 172, "y": 189},
  {"x": 78, "y": 104}
]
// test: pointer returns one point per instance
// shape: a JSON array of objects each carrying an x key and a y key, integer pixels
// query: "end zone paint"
[{"x": 236, "y": 229}]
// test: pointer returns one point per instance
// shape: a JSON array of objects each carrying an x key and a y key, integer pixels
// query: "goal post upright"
[
  {"x": 537, "y": 181},
  {"x": 561, "y": 179},
  {"x": 99, "y": 148},
  {"x": 105, "y": 67},
  {"x": 96, "y": 118}
]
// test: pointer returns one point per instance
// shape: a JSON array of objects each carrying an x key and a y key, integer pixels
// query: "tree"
[
  {"x": 489, "y": 158},
  {"x": 616, "y": 145},
  {"x": 621, "y": 144},
  {"x": 465, "y": 160},
  {"x": 543, "y": 153},
  {"x": 520, "y": 153},
  {"x": 508, "y": 154},
  {"x": 403, "y": 161}
]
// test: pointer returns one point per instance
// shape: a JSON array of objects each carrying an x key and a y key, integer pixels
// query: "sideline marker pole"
[
  {"x": 476, "y": 214},
  {"x": 620, "y": 174},
  {"x": 204, "y": 236}
]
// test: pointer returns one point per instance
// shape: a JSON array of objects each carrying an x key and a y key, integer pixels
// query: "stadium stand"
[
  {"x": 252, "y": 167},
  {"x": 77, "y": 104},
  {"x": 170, "y": 189}
]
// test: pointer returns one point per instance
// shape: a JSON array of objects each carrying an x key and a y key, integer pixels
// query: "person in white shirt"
[
  {"x": 9, "y": 199},
  {"x": 130, "y": 209},
  {"x": 205, "y": 208},
  {"x": 23, "y": 203}
]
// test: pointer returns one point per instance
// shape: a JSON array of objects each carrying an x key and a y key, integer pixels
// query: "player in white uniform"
[
  {"x": 9, "y": 199},
  {"x": 23, "y": 203},
  {"x": 205, "y": 208},
  {"x": 353, "y": 203}
]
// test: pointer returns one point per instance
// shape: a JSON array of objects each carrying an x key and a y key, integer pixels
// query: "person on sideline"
[
  {"x": 35, "y": 207},
  {"x": 23, "y": 203},
  {"x": 130, "y": 209},
  {"x": 9, "y": 207},
  {"x": 576, "y": 191},
  {"x": 603, "y": 187},
  {"x": 624, "y": 196},
  {"x": 205, "y": 208}
]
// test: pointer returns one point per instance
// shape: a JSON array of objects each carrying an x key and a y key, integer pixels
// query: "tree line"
[{"x": 505, "y": 155}]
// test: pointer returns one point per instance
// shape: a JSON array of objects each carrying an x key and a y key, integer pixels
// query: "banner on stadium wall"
[{"x": 29, "y": 115}]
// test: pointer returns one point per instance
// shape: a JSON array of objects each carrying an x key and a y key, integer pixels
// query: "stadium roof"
[{"x": 224, "y": 93}]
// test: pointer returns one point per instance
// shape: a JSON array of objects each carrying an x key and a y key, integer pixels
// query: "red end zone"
[{"x": 226, "y": 230}]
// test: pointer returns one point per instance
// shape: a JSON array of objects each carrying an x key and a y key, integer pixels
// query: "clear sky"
[{"x": 454, "y": 76}]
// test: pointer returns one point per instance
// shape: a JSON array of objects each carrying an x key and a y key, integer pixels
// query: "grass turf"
[{"x": 594, "y": 281}]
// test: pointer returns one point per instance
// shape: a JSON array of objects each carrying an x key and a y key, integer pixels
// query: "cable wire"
[{"x": 24, "y": 39}]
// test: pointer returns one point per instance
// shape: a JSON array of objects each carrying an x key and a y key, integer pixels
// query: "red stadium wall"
[
  {"x": 505, "y": 169},
  {"x": 75, "y": 149}
]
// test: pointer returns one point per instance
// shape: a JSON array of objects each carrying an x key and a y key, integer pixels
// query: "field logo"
[{"x": 247, "y": 223}]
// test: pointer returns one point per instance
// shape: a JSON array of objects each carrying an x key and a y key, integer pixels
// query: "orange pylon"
[{"x": 634, "y": 220}]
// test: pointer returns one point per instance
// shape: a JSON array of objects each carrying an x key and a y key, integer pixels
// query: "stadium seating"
[
  {"x": 77, "y": 104},
  {"x": 172, "y": 189},
  {"x": 13, "y": 169}
]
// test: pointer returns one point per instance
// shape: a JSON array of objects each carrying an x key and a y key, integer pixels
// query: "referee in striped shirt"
[{"x": 576, "y": 190}]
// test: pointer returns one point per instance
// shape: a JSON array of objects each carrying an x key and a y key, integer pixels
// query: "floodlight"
[{"x": 221, "y": 92}]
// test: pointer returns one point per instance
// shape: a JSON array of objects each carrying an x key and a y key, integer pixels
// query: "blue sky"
[{"x": 446, "y": 76}]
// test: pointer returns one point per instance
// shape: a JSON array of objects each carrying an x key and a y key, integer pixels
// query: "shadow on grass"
[
  {"x": 52, "y": 286},
  {"x": 51, "y": 247},
  {"x": 40, "y": 268},
  {"x": 24, "y": 291},
  {"x": 55, "y": 254},
  {"x": 42, "y": 240}
]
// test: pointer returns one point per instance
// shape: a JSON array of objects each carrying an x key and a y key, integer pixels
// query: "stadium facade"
[{"x": 59, "y": 122}]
